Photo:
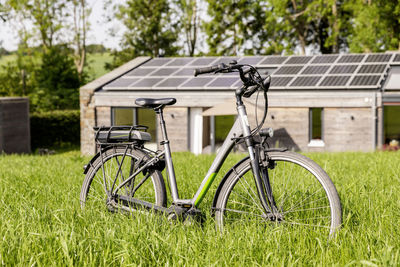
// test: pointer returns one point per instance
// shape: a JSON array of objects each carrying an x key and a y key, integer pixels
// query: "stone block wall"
[
  {"x": 290, "y": 127},
  {"x": 348, "y": 129},
  {"x": 176, "y": 120}
]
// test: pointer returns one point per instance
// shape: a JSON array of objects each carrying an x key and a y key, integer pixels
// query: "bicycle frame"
[{"x": 239, "y": 128}]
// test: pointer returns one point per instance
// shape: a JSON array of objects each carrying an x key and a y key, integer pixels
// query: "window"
[
  {"x": 391, "y": 123},
  {"x": 223, "y": 125},
  {"x": 316, "y": 126},
  {"x": 122, "y": 116},
  {"x": 135, "y": 116}
]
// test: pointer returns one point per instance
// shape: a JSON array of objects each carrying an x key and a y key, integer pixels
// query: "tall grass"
[{"x": 41, "y": 222}]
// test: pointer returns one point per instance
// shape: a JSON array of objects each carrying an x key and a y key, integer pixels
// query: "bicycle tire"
[
  {"x": 313, "y": 193},
  {"x": 94, "y": 189}
]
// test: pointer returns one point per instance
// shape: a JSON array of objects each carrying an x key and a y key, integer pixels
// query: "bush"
[{"x": 55, "y": 128}]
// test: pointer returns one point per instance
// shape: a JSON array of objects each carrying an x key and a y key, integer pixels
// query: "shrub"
[{"x": 54, "y": 128}]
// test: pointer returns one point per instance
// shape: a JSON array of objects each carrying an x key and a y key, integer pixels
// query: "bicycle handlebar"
[
  {"x": 207, "y": 70},
  {"x": 251, "y": 84}
]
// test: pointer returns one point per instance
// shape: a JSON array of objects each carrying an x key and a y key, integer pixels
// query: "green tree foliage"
[
  {"x": 47, "y": 72},
  {"x": 57, "y": 81},
  {"x": 149, "y": 30},
  {"x": 234, "y": 26},
  {"x": 376, "y": 25}
]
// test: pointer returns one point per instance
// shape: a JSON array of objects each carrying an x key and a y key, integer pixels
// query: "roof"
[{"x": 320, "y": 72}]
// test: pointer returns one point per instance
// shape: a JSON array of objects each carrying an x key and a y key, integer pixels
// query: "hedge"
[{"x": 55, "y": 128}]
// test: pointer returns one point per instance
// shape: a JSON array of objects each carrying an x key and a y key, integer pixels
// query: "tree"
[
  {"x": 188, "y": 12},
  {"x": 376, "y": 25},
  {"x": 149, "y": 30},
  {"x": 80, "y": 28},
  {"x": 230, "y": 29},
  {"x": 57, "y": 81}
]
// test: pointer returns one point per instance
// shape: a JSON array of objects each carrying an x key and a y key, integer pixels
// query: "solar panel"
[
  {"x": 146, "y": 83},
  {"x": 171, "y": 82},
  {"x": 280, "y": 81},
  {"x": 140, "y": 72},
  {"x": 185, "y": 72},
  {"x": 203, "y": 61},
  {"x": 264, "y": 71},
  {"x": 298, "y": 60},
  {"x": 365, "y": 80},
  {"x": 305, "y": 81},
  {"x": 315, "y": 70},
  {"x": 250, "y": 60},
  {"x": 121, "y": 83},
  {"x": 180, "y": 61},
  {"x": 335, "y": 80},
  {"x": 289, "y": 70},
  {"x": 397, "y": 58},
  {"x": 351, "y": 58},
  {"x": 163, "y": 72},
  {"x": 273, "y": 60},
  {"x": 324, "y": 59},
  {"x": 223, "y": 82},
  {"x": 378, "y": 58},
  {"x": 156, "y": 62},
  {"x": 339, "y": 69},
  {"x": 225, "y": 60},
  {"x": 196, "y": 82},
  {"x": 372, "y": 68}
]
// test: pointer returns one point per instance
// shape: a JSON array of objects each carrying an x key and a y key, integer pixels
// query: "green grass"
[
  {"x": 42, "y": 223},
  {"x": 96, "y": 63}
]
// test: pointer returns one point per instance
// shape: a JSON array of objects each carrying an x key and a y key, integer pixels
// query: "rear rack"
[{"x": 121, "y": 134}]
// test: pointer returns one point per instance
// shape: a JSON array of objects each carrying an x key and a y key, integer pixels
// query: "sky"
[{"x": 97, "y": 35}]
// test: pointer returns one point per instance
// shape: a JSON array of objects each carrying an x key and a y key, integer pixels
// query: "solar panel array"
[{"x": 348, "y": 71}]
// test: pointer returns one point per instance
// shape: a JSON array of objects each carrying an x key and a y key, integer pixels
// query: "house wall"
[
  {"x": 348, "y": 129},
  {"x": 290, "y": 127},
  {"x": 344, "y": 129},
  {"x": 103, "y": 116},
  {"x": 176, "y": 120}
]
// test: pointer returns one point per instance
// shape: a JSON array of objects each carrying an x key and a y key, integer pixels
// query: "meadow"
[
  {"x": 42, "y": 224},
  {"x": 96, "y": 63}
]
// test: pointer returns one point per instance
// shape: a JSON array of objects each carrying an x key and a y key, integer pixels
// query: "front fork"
[
  {"x": 263, "y": 185},
  {"x": 264, "y": 189}
]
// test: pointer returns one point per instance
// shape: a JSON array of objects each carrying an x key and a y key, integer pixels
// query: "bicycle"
[{"x": 271, "y": 186}]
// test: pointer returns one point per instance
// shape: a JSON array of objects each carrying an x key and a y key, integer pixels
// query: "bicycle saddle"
[{"x": 155, "y": 102}]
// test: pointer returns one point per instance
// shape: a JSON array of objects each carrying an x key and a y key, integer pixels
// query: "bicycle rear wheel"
[
  {"x": 99, "y": 180},
  {"x": 304, "y": 195}
]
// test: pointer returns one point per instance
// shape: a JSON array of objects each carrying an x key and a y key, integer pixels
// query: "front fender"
[
  {"x": 223, "y": 182},
  {"x": 231, "y": 170}
]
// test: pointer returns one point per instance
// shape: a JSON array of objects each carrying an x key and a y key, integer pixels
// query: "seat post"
[{"x": 168, "y": 158}]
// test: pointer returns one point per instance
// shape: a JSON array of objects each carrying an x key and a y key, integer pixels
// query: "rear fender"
[{"x": 87, "y": 166}]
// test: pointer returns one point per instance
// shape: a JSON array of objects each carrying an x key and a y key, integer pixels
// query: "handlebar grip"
[{"x": 206, "y": 70}]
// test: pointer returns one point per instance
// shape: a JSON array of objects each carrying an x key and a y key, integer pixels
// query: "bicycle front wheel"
[
  {"x": 108, "y": 172},
  {"x": 305, "y": 196}
]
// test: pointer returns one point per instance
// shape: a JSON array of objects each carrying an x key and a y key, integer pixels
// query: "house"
[{"x": 337, "y": 102}]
